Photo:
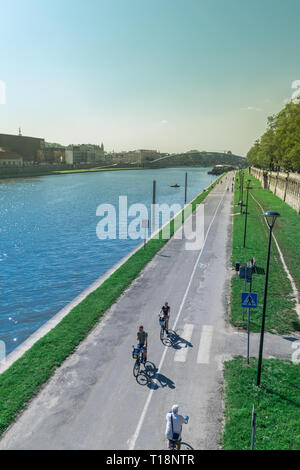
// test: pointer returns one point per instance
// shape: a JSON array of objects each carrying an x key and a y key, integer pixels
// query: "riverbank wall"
[{"x": 284, "y": 185}]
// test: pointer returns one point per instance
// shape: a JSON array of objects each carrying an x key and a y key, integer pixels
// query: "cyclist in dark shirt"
[
  {"x": 165, "y": 314},
  {"x": 142, "y": 339}
]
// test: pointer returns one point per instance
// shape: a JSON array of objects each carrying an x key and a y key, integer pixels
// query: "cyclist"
[
  {"x": 174, "y": 427},
  {"x": 142, "y": 339},
  {"x": 165, "y": 315}
]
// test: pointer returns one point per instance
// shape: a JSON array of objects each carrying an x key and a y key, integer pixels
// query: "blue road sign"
[
  {"x": 246, "y": 273},
  {"x": 249, "y": 300}
]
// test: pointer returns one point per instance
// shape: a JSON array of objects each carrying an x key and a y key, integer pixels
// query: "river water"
[{"x": 49, "y": 250}]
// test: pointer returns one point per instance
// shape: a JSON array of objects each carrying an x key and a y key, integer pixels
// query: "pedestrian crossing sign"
[{"x": 249, "y": 300}]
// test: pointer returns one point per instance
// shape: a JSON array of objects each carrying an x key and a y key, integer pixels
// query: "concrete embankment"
[{"x": 284, "y": 185}]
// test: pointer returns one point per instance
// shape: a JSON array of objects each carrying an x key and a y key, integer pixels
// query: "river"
[{"x": 49, "y": 250}]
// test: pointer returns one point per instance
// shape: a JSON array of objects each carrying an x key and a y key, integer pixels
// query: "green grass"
[
  {"x": 22, "y": 381},
  {"x": 280, "y": 316},
  {"x": 286, "y": 230},
  {"x": 277, "y": 404}
]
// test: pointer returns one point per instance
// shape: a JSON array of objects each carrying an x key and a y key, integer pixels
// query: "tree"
[{"x": 279, "y": 146}]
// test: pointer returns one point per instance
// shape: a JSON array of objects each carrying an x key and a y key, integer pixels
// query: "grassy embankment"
[
  {"x": 281, "y": 316},
  {"x": 24, "y": 378},
  {"x": 277, "y": 401},
  {"x": 277, "y": 404}
]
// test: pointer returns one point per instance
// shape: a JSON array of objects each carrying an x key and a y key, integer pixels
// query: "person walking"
[{"x": 174, "y": 427}]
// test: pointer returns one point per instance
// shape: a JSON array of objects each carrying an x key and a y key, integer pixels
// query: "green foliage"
[
  {"x": 201, "y": 159},
  {"x": 279, "y": 147},
  {"x": 277, "y": 404}
]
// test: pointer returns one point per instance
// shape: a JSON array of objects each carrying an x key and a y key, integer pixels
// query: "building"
[
  {"x": 125, "y": 158},
  {"x": 54, "y": 154},
  {"x": 135, "y": 157},
  {"x": 30, "y": 148},
  {"x": 10, "y": 159},
  {"x": 86, "y": 153},
  {"x": 69, "y": 157}
]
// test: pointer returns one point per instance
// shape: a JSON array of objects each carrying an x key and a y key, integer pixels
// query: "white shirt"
[{"x": 178, "y": 421}]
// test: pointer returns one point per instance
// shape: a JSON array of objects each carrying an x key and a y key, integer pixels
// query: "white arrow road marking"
[
  {"x": 180, "y": 355},
  {"x": 205, "y": 344}
]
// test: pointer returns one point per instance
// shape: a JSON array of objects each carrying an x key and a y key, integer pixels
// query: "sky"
[{"x": 170, "y": 75}]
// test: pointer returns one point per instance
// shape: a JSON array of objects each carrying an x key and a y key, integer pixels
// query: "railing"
[{"x": 285, "y": 185}]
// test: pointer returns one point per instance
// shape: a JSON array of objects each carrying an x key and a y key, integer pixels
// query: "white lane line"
[
  {"x": 181, "y": 354},
  {"x": 205, "y": 344},
  {"x": 133, "y": 439}
]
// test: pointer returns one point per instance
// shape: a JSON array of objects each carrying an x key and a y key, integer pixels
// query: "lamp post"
[
  {"x": 271, "y": 217},
  {"x": 185, "y": 188},
  {"x": 242, "y": 191},
  {"x": 245, "y": 228}
]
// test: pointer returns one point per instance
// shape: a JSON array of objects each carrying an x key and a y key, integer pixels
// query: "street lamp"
[
  {"x": 271, "y": 217},
  {"x": 242, "y": 190},
  {"x": 245, "y": 228}
]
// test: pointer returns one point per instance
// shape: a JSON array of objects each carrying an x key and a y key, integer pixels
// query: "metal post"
[
  {"x": 153, "y": 206},
  {"x": 245, "y": 228},
  {"x": 185, "y": 191},
  {"x": 248, "y": 340},
  {"x": 253, "y": 425},
  {"x": 242, "y": 190},
  {"x": 245, "y": 284},
  {"x": 261, "y": 344}
]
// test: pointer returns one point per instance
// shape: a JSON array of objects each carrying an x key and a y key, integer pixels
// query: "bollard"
[{"x": 253, "y": 424}]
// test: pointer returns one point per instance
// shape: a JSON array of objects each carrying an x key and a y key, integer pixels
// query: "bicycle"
[
  {"x": 183, "y": 445},
  {"x": 162, "y": 322},
  {"x": 149, "y": 368},
  {"x": 137, "y": 354}
]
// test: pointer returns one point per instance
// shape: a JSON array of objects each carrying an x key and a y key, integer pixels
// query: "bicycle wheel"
[
  {"x": 185, "y": 446},
  {"x": 142, "y": 379},
  {"x": 136, "y": 368},
  {"x": 150, "y": 369},
  {"x": 162, "y": 333}
]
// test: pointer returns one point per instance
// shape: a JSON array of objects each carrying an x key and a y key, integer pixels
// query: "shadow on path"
[
  {"x": 173, "y": 340},
  {"x": 151, "y": 378}
]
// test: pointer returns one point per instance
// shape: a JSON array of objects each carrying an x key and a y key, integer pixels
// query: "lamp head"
[{"x": 271, "y": 217}]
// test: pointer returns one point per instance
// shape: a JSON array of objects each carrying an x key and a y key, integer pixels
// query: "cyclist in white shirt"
[{"x": 174, "y": 427}]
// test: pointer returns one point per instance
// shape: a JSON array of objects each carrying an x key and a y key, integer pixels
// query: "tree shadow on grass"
[
  {"x": 258, "y": 270},
  {"x": 281, "y": 396},
  {"x": 296, "y": 325}
]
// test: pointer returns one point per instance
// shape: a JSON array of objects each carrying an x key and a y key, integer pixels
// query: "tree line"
[{"x": 279, "y": 147}]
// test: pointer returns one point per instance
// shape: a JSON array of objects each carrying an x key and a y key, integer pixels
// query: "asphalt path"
[{"x": 94, "y": 402}]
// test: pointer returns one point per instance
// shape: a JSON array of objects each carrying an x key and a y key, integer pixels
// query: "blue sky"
[{"x": 172, "y": 75}]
